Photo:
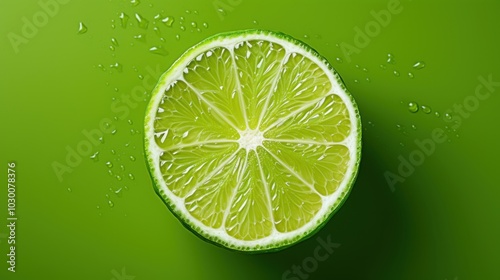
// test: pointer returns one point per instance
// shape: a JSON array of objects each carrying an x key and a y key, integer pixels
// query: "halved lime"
[{"x": 252, "y": 140}]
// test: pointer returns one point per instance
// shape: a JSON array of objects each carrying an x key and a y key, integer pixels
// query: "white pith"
[{"x": 251, "y": 139}]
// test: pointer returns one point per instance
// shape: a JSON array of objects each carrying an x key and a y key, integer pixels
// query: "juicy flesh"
[{"x": 252, "y": 139}]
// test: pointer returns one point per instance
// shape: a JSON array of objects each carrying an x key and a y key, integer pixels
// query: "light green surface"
[{"x": 440, "y": 223}]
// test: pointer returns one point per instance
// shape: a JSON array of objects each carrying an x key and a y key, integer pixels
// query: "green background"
[{"x": 440, "y": 222}]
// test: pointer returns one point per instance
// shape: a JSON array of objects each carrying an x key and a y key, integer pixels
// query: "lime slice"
[{"x": 252, "y": 140}]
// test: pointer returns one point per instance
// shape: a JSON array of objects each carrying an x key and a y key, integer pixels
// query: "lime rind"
[{"x": 334, "y": 201}]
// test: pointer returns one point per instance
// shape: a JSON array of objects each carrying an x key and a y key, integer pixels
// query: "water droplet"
[
  {"x": 101, "y": 139},
  {"x": 339, "y": 60},
  {"x": 364, "y": 69},
  {"x": 131, "y": 176},
  {"x": 181, "y": 19},
  {"x": 109, "y": 164},
  {"x": 114, "y": 42},
  {"x": 118, "y": 192},
  {"x": 368, "y": 79},
  {"x": 222, "y": 11},
  {"x": 205, "y": 25},
  {"x": 168, "y": 21},
  {"x": 390, "y": 59},
  {"x": 117, "y": 66},
  {"x": 383, "y": 67},
  {"x": 113, "y": 26},
  {"x": 255, "y": 22},
  {"x": 194, "y": 24},
  {"x": 183, "y": 28},
  {"x": 410, "y": 75},
  {"x": 132, "y": 158},
  {"x": 157, "y": 31},
  {"x": 82, "y": 28},
  {"x": 110, "y": 203},
  {"x": 118, "y": 177},
  {"x": 414, "y": 127},
  {"x": 426, "y": 109},
  {"x": 437, "y": 114},
  {"x": 141, "y": 21},
  {"x": 188, "y": 11},
  {"x": 69, "y": 189},
  {"x": 135, "y": 2},
  {"x": 113, "y": 132},
  {"x": 413, "y": 107},
  {"x": 401, "y": 144},
  {"x": 112, "y": 48},
  {"x": 396, "y": 73},
  {"x": 110, "y": 172},
  {"x": 116, "y": 89},
  {"x": 123, "y": 19},
  {"x": 95, "y": 156},
  {"x": 140, "y": 37},
  {"x": 158, "y": 50},
  {"x": 419, "y": 65},
  {"x": 448, "y": 116},
  {"x": 177, "y": 37},
  {"x": 356, "y": 81}
]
